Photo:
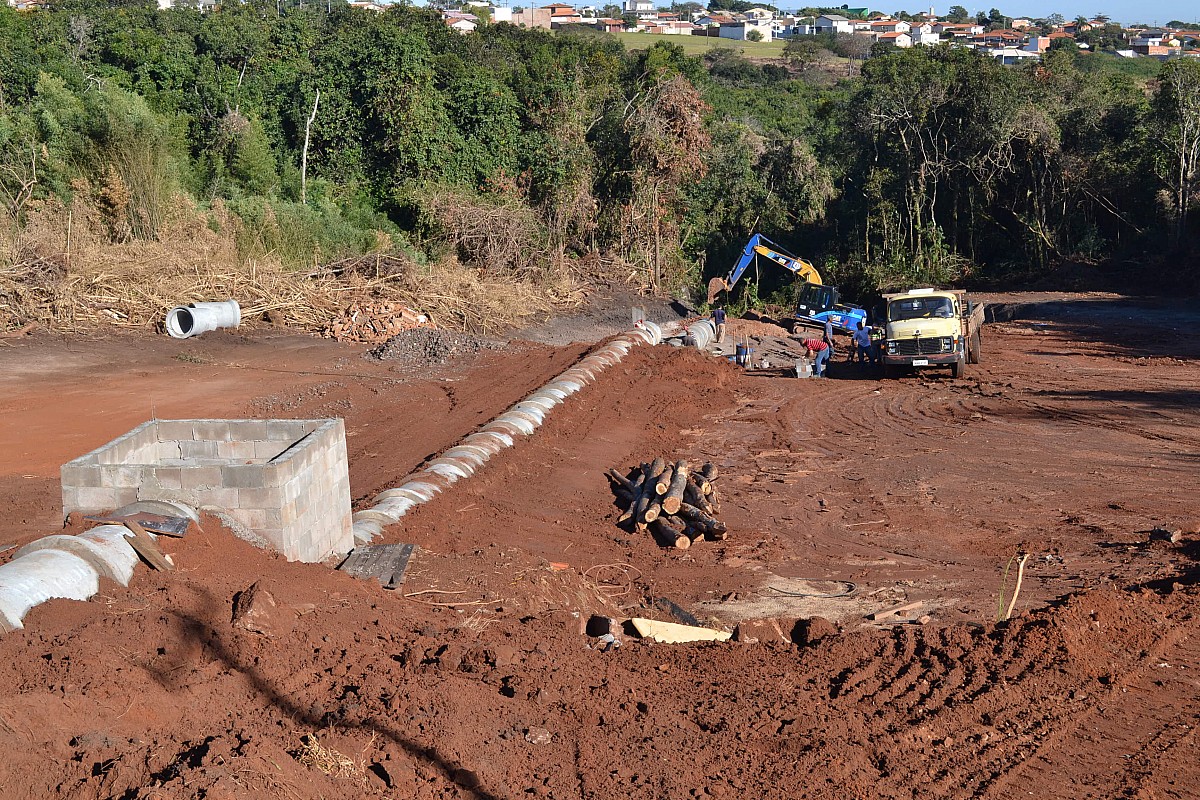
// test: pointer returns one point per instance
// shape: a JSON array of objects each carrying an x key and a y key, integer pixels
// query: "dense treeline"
[{"x": 329, "y": 130}]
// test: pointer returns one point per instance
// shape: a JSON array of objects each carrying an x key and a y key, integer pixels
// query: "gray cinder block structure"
[{"x": 285, "y": 479}]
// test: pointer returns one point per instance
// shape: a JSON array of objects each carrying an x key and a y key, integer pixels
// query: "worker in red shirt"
[{"x": 818, "y": 352}]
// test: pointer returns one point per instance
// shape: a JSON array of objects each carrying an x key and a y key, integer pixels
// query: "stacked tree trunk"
[{"x": 671, "y": 501}]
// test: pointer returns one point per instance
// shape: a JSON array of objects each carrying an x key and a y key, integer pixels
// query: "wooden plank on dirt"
[
  {"x": 673, "y": 633},
  {"x": 895, "y": 611},
  {"x": 892, "y": 622},
  {"x": 386, "y": 563},
  {"x": 145, "y": 547}
]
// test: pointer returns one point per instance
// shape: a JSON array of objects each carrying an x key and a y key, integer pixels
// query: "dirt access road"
[{"x": 1075, "y": 438}]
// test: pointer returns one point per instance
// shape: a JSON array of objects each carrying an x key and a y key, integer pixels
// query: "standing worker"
[
  {"x": 818, "y": 353},
  {"x": 718, "y": 318},
  {"x": 829, "y": 337},
  {"x": 862, "y": 345}
]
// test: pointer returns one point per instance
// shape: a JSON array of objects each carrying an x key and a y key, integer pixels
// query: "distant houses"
[{"x": 1023, "y": 38}]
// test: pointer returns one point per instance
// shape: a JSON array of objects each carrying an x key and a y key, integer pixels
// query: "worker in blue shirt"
[{"x": 718, "y": 318}]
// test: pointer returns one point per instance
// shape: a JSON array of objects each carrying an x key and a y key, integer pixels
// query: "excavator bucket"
[{"x": 715, "y": 287}]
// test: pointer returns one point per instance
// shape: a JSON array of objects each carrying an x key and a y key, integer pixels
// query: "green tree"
[
  {"x": 1178, "y": 105},
  {"x": 957, "y": 15},
  {"x": 484, "y": 13},
  {"x": 806, "y": 52},
  {"x": 252, "y": 163}
]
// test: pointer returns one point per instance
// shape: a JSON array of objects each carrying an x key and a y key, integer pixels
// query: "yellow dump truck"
[{"x": 929, "y": 328}]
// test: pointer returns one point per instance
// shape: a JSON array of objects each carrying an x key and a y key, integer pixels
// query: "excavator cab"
[
  {"x": 819, "y": 303},
  {"x": 816, "y": 299}
]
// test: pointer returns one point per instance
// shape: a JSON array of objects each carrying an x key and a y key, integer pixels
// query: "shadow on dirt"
[
  {"x": 1188, "y": 556},
  {"x": 1176, "y": 399},
  {"x": 198, "y": 630},
  {"x": 1130, "y": 326},
  {"x": 1159, "y": 413}
]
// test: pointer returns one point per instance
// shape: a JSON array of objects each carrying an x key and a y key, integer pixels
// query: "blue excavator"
[{"x": 818, "y": 302}]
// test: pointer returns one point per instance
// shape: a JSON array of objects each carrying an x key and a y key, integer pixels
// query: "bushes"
[{"x": 303, "y": 236}]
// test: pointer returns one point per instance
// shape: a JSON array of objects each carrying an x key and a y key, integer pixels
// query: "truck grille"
[{"x": 925, "y": 346}]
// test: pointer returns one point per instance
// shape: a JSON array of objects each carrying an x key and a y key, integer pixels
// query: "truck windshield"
[{"x": 921, "y": 308}]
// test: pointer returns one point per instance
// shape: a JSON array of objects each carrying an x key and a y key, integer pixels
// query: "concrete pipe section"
[
  {"x": 703, "y": 332},
  {"x": 70, "y": 566},
  {"x": 184, "y": 322},
  {"x": 525, "y": 416}
]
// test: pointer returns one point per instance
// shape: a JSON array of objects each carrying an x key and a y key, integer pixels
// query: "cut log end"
[{"x": 664, "y": 481}]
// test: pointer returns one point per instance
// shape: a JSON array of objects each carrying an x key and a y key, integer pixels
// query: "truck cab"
[{"x": 929, "y": 328}]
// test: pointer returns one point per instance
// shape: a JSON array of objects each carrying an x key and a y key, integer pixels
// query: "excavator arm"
[{"x": 760, "y": 245}]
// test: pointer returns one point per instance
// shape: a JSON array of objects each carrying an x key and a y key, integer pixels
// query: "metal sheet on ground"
[
  {"x": 155, "y": 523},
  {"x": 386, "y": 563}
]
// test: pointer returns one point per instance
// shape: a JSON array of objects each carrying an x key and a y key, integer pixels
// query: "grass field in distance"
[{"x": 698, "y": 45}]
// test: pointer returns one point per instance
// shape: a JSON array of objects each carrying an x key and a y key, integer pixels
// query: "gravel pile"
[{"x": 429, "y": 346}]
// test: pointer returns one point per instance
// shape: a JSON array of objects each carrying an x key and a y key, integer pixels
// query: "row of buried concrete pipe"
[
  {"x": 469, "y": 455},
  {"x": 68, "y": 566}
]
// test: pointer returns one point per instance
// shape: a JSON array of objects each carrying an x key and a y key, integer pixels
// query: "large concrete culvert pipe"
[
  {"x": 184, "y": 322},
  {"x": 703, "y": 332},
  {"x": 70, "y": 567},
  {"x": 39, "y": 576},
  {"x": 522, "y": 419}
]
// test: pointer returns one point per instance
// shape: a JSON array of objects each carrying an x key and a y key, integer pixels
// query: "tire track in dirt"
[
  {"x": 1142, "y": 724},
  {"x": 966, "y": 712}
]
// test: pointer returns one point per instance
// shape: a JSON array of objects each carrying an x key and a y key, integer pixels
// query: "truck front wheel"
[
  {"x": 957, "y": 368},
  {"x": 891, "y": 371}
]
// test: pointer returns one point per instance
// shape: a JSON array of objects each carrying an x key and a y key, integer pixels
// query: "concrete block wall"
[{"x": 287, "y": 480}]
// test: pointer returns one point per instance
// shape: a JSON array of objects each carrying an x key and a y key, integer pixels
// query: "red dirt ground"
[{"x": 1075, "y": 438}]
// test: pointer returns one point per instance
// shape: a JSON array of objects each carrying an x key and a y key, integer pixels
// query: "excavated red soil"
[{"x": 1075, "y": 438}]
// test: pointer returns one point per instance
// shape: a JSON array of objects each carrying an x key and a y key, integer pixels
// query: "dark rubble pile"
[{"x": 431, "y": 346}]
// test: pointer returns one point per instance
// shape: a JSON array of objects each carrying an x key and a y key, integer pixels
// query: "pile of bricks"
[{"x": 374, "y": 323}]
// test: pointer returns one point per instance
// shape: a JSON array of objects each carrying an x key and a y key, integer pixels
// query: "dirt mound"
[
  {"x": 378, "y": 694},
  {"x": 605, "y": 315},
  {"x": 843, "y": 497},
  {"x": 429, "y": 346},
  {"x": 752, "y": 327}
]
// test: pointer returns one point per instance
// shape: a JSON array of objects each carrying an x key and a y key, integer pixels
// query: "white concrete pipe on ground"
[
  {"x": 167, "y": 508},
  {"x": 703, "y": 332},
  {"x": 104, "y": 548},
  {"x": 183, "y": 322},
  {"x": 39, "y": 576},
  {"x": 61, "y": 565},
  {"x": 523, "y": 418}
]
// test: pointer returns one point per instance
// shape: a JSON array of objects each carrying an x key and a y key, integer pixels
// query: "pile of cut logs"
[{"x": 673, "y": 502}]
